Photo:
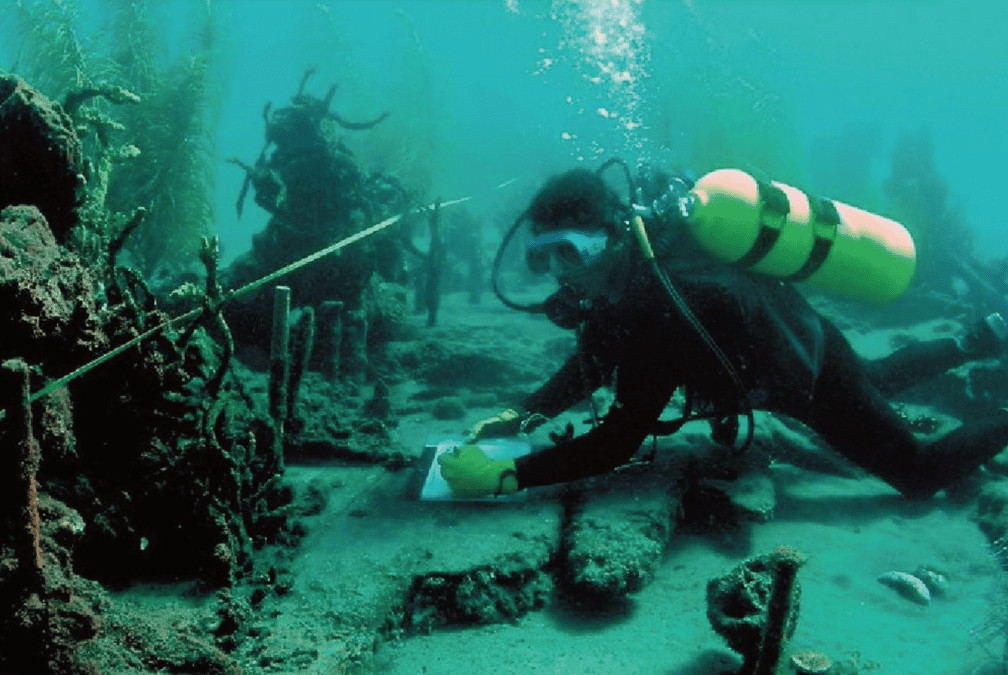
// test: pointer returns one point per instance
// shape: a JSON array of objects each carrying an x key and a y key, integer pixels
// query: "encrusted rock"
[
  {"x": 737, "y": 605},
  {"x": 811, "y": 663},
  {"x": 40, "y": 155},
  {"x": 47, "y": 305},
  {"x": 616, "y": 531}
]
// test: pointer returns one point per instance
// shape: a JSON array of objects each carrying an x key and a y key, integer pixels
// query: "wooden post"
[
  {"x": 23, "y": 606},
  {"x": 330, "y": 336},
  {"x": 279, "y": 367},
  {"x": 304, "y": 342},
  {"x": 21, "y": 463},
  {"x": 354, "y": 361},
  {"x": 435, "y": 267},
  {"x": 781, "y": 608}
]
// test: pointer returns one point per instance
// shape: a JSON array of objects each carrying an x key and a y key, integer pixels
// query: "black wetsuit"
[{"x": 789, "y": 358}]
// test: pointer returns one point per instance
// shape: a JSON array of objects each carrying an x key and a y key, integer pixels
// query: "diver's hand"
[
  {"x": 504, "y": 423},
  {"x": 507, "y": 423},
  {"x": 470, "y": 473}
]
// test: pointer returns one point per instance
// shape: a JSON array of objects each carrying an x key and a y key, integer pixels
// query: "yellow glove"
[
  {"x": 505, "y": 423},
  {"x": 470, "y": 473}
]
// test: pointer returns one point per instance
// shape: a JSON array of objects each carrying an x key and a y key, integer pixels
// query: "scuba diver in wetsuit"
[{"x": 649, "y": 323}]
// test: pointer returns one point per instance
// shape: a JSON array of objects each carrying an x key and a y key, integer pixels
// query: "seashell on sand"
[
  {"x": 907, "y": 585},
  {"x": 937, "y": 582}
]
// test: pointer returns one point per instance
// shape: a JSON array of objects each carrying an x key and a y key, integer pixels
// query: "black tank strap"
[
  {"x": 826, "y": 219},
  {"x": 774, "y": 209}
]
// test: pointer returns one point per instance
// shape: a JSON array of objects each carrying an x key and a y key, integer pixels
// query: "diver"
[{"x": 654, "y": 312}]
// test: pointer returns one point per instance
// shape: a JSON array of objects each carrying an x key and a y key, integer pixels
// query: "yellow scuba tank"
[{"x": 777, "y": 230}]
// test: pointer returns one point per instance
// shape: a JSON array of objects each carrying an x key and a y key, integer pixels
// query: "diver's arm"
[
  {"x": 640, "y": 399},
  {"x": 564, "y": 389},
  {"x": 568, "y": 386}
]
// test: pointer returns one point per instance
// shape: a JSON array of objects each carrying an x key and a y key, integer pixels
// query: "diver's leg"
[
  {"x": 853, "y": 416},
  {"x": 919, "y": 362},
  {"x": 914, "y": 364},
  {"x": 960, "y": 452}
]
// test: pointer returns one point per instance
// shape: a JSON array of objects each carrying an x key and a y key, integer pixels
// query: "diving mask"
[{"x": 565, "y": 249}]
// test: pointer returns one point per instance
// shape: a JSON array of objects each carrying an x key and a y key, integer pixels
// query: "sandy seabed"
[{"x": 851, "y": 530}]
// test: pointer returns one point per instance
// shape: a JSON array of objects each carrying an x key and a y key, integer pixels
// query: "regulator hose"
[{"x": 637, "y": 224}]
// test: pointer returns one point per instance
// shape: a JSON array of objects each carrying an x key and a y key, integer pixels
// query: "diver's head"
[
  {"x": 575, "y": 222},
  {"x": 577, "y": 199}
]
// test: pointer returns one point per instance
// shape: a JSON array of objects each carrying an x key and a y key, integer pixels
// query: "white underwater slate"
[{"x": 436, "y": 488}]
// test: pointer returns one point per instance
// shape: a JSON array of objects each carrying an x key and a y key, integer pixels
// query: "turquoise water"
[{"x": 482, "y": 91}]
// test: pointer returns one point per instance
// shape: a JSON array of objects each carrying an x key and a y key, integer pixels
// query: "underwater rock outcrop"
[
  {"x": 153, "y": 465},
  {"x": 176, "y": 481},
  {"x": 41, "y": 161},
  {"x": 310, "y": 183},
  {"x": 45, "y": 609},
  {"x": 162, "y": 467},
  {"x": 47, "y": 305}
]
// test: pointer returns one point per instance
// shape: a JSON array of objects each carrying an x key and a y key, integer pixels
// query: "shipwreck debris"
[{"x": 754, "y": 607}]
